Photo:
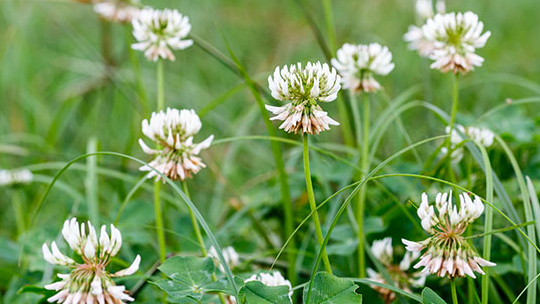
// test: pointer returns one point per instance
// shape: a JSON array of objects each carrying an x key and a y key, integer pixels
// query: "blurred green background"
[{"x": 56, "y": 94}]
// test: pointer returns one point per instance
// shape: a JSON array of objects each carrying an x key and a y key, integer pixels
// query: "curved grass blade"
[{"x": 525, "y": 196}]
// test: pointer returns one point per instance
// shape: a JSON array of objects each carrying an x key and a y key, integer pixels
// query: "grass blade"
[
  {"x": 488, "y": 223},
  {"x": 91, "y": 182},
  {"x": 531, "y": 253}
]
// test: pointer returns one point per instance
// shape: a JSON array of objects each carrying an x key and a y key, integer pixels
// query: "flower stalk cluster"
[
  {"x": 89, "y": 281},
  {"x": 448, "y": 252},
  {"x": 173, "y": 130}
]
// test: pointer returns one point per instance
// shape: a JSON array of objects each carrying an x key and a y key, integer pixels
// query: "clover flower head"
[
  {"x": 88, "y": 282},
  {"x": 173, "y": 130},
  {"x": 448, "y": 253},
  {"x": 382, "y": 250},
  {"x": 158, "y": 32},
  {"x": 117, "y": 10},
  {"x": 482, "y": 136},
  {"x": 455, "y": 38},
  {"x": 231, "y": 257},
  {"x": 358, "y": 63},
  {"x": 400, "y": 274},
  {"x": 15, "y": 177},
  {"x": 304, "y": 87}
]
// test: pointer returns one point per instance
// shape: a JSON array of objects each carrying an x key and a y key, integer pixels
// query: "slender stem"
[
  {"x": 312, "y": 203},
  {"x": 194, "y": 222},
  {"x": 348, "y": 136},
  {"x": 362, "y": 196},
  {"x": 157, "y": 184},
  {"x": 18, "y": 210},
  {"x": 159, "y": 222},
  {"x": 455, "y": 99},
  {"x": 454, "y": 291},
  {"x": 106, "y": 44},
  {"x": 160, "y": 86},
  {"x": 329, "y": 19},
  {"x": 488, "y": 226},
  {"x": 356, "y": 117}
]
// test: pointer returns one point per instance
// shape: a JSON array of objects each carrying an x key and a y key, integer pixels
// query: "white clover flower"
[
  {"x": 158, "y": 32},
  {"x": 455, "y": 38},
  {"x": 88, "y": 282},
  {"x": 358, "y": 63},
  {"x": 15, "y": 177},
  {"x": 415, "y": 35},
  {"x": 482, "y": 136},
  {"x": 383, "y": 251},
  {"x": 173, "y": 130},
  {"x": 304, "y": 88},
  {"x": 231, "y": 257},
  {"x": 448, "y": 253},
  {"x": 117, "y": 10}
]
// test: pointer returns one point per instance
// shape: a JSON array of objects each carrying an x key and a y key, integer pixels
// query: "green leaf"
[
  {"x": 329, "y": 289},
  {"x": 256, "y": 292},
  {"x": 430, "y": 297},
  {"x": 189, "y": 277}
]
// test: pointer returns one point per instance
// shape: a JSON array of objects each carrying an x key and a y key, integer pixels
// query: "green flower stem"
[
  {"x": 356, "y": 116},
  {"x": 360, "y": 208},
  {"x": 160, "y": 86},
  {"x": 194, "y": 222},
  {"x": 329, "y": 20},
  {"x": 106, "y": 45},
  {"x": 454, "y": 291},
  {"x": 18, "y": 211},
  {"x": 159, "y": 222},
  {"x": 348, "y": 136},
  {"x": 455, "y": 99},
  {"x": 157, "y": 184},
  {"x": 313, "y": 204}
]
